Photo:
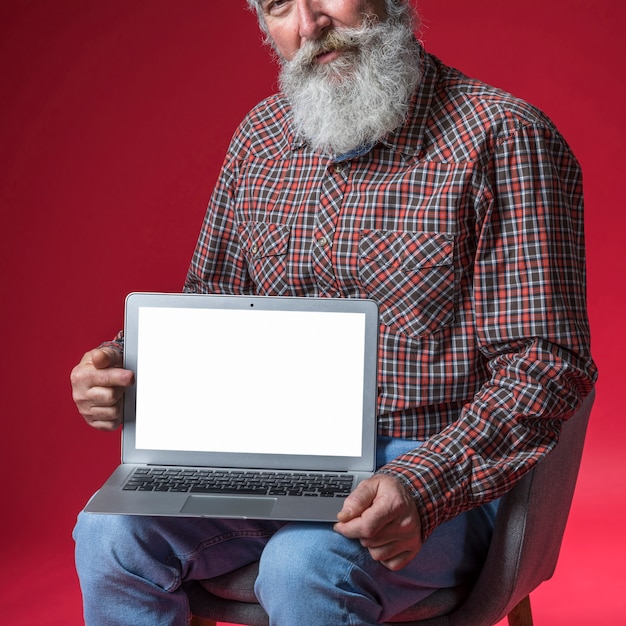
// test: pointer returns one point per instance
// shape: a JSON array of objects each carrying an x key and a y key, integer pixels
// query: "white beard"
[{"x": 359, "y": 97}]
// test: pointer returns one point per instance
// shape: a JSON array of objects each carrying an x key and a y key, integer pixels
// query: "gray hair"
[{"x": 396, "y": 10}]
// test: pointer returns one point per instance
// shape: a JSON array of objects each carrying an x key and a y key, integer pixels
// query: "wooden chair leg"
[{"x": 521, "y": 615}]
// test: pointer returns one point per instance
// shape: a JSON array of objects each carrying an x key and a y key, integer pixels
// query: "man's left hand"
[{"x": 382, "y": 516}]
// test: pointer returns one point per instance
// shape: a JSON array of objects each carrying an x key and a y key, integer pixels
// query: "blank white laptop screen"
[{"x": 269, "y": 382}]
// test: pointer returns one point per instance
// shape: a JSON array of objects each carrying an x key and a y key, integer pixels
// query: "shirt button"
[
  {"x": 339, "y": 167},
  {"x": 322, "y": 241},
  {"x": 254, "y": 249}
]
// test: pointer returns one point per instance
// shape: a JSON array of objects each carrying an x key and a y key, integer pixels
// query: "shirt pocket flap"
[
  {"x": 410, "y": 251},
  {"x": 264, "y": 239}
]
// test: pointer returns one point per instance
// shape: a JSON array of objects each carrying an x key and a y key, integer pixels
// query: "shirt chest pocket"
[{"x": 411, "y": 277}]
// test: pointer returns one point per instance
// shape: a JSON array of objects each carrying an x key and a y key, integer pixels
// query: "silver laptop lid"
[{"x": 251, "y": 381}]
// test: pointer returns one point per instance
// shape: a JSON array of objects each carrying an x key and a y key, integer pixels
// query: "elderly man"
[{"x": 377, "y": 172}]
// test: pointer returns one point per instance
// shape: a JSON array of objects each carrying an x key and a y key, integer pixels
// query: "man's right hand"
[{"x": 98, "y": 385}]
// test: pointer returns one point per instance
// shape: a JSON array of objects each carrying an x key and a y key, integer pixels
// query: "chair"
[{"x": 527, "y": 538}]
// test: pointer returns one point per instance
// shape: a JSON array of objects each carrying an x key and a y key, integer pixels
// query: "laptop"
[{"x": 245, "y": 406}]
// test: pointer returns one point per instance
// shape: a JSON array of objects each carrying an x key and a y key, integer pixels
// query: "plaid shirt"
[{"x": 465, "y": 225}]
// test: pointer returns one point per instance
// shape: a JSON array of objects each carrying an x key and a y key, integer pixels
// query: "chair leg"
[
  {"x": 521, "y": 615},
  {"x": 199, "y": 621}
]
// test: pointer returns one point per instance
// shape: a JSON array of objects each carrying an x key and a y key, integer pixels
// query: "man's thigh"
[
  {"x": 188, "y": 548},
  {"x": 315, "y": 555}
]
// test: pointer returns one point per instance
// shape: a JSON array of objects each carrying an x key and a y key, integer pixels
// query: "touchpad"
[{"x": 229, "y": 506}]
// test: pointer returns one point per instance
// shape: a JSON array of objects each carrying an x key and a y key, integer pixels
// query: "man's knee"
[
  {"x": 305, "y": 554},
  {"x": 326, "y": 570}
]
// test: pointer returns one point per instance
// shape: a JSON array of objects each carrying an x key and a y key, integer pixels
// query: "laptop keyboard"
[{"x": 239, "y": 482}]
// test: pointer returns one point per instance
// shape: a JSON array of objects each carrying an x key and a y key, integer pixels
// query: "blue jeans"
[{"x": 131, "y": 568}]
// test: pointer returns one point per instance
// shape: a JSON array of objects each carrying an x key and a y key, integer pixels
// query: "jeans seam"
[
  {"x": 364, "y": 556},
  {"x": 219, "y": 539},
  {"x": 174, "y": 560}
]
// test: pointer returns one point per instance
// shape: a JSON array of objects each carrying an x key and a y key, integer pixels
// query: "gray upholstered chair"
[{"x": 524, "y": 550}]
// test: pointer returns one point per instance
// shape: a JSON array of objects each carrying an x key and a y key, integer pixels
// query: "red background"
[{"x": 114, "y": 118}]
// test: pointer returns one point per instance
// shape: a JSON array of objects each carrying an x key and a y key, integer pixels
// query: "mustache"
[{"x": 332, "y": 41}]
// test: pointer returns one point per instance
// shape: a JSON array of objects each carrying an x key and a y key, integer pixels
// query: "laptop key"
[{"x": 216, "y": 489}]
